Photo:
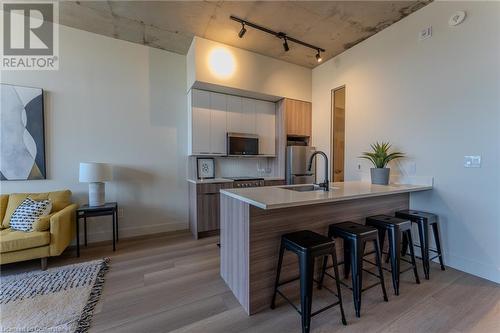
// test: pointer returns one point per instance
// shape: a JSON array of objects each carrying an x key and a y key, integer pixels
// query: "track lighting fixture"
[
  {"x": 285, "y": 45},
  {"x": 242, "y": 31},
  {"x": 318, "y": 56},
  {"x": 280, "y": 35}
]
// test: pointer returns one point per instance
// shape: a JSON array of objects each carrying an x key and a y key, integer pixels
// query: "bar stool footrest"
[{"x": 297, "y": 309}]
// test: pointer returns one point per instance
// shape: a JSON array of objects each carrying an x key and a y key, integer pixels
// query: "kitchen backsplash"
[{"x": 236, "y": 167}]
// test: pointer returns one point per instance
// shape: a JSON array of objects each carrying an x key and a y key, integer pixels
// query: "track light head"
[
  {"x": 318, "y": 56},
  {"x": 242, "y": 31},
  {"x": 285, "y": 45}
]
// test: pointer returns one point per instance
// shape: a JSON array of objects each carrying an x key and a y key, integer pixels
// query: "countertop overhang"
[{"x": 274, "y": 197}]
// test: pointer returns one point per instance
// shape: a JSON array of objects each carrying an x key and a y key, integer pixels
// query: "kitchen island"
[{"x": 253, "y": 220}]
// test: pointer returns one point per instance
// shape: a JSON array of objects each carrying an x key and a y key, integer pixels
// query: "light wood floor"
[{"x": 171, "y": 282}]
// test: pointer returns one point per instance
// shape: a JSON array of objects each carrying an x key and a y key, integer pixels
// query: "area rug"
[{"x": 60, "y": 299}]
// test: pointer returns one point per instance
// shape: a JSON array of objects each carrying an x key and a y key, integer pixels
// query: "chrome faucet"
[{"x": 325, "y": 185}]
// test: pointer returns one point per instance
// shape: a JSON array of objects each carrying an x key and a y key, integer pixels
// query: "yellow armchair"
[{"x": 48, "y": 240}]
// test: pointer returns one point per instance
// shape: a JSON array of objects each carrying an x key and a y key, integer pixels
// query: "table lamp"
[{"x": 95, "y": 174}]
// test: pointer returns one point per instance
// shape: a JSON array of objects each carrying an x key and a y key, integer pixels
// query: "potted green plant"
[{"x": 380, "y": 156}]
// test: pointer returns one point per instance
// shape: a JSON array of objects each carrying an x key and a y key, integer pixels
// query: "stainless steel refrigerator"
[{"x": 297, "y": 158}]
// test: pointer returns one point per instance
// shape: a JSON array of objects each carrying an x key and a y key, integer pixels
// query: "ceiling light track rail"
[{"x": 280, "y": 35}]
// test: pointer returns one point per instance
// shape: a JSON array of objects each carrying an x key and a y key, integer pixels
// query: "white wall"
[
  {"x": 252, "y": 72},
  {"x": 125, "y": 104},
  {"x": 437, "y": 100}
]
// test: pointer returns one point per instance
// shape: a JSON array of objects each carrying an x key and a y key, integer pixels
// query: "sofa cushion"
[
  {"x": 28, "y": 212},
  {"x": 14, "y": 202},
  {"x": 43, "y": 223},
  {"x": 60, "y": 199},
  {"x": 12, "y": 240},
  {"x": 4, "y": 200}
]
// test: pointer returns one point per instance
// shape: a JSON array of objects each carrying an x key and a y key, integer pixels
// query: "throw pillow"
[{"x": 28, "y": 212}]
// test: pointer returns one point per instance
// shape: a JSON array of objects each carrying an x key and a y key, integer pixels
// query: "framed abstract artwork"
[
  {"x": 206, "y": 168},
  {"x": 22, "y": 133}
]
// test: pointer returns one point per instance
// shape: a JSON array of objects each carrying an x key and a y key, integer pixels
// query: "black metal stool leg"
[
  {"x": 306, "y": 284},
  {"x": 404, "y": 247},
  {"x": 412, "y": 253},
  {"x": 339, "y": 292},
  {"x": 423, "y": 234},
  {"x": 395, "y": 252},
  {"x": 347, "y": 257},
  {"x": 379, "y": 265},
  {"x": 435, "y": 231},
  {"x": 357, "y": 273},
  {"x": 323, "y": 270},
  {"x": 278, "y": 273}
]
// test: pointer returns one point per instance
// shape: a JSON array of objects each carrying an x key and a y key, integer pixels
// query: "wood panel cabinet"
[
  {"x": 204, "y": 210},
  {"x": 298, "y": 117}
]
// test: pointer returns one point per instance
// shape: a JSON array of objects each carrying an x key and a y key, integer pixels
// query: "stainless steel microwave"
[{"x": 239, "y": 144}]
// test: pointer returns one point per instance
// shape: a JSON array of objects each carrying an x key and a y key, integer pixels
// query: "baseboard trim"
[
  {"x": 473, "y": 267},
  {"x": 132, "y": 232}
]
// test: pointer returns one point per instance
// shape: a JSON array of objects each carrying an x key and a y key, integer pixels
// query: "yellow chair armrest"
[{"x": 62, "y": 229}]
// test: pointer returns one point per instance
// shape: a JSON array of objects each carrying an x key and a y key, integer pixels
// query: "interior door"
[{"x": 338, "y": 134}]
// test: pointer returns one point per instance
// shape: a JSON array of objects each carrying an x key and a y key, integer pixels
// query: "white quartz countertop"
[
  {"x": 272, "y": 197},
  {"x": 225, "y": 180},
  {"x": 209, "y": 181}
]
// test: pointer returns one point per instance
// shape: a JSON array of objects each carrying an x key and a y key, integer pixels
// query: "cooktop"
[{"x": 244, "y": 178}]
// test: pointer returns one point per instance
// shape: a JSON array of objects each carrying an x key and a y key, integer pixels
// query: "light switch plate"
[{"x": 472, "y": 161}]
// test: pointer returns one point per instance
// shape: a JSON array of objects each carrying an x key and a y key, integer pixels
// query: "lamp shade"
[{"x": 94, "y": 172}]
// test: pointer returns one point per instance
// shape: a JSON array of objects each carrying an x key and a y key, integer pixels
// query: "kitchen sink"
[{"x": 304, "y": 188}]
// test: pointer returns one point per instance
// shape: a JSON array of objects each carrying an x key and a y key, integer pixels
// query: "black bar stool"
[
  {"x": 395, "y": 227},
  {"x": 307, "y": 245},
  {"x": 423, "y": 221},
  {"x": 355, "y": 237}
]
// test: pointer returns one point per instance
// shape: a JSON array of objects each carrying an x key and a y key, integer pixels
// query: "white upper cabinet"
[
  {"x": 265, "y": 126},
  {"x": 240, "y": 115},
  {"x": 248, "y": 116},
  {"x": 200, "y": 122},
  {"x": 218, "y": 123},
  {"x": 234, "y": 111},
  {"x": 212, "y": 115}
]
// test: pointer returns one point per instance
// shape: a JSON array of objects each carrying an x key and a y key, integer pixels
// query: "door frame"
[{"x": 332, "y": 119}]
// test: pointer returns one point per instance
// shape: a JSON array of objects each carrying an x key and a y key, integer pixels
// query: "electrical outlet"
[
  {"x": 121, "y": 212},
  {"x": 425, "y": 33},
  {"x": 473, "y": 161}
]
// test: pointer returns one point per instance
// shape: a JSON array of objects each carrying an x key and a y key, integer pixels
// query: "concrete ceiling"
[{"x": 171, "y": 25}]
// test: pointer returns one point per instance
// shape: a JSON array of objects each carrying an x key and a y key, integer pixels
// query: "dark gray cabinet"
[{"x": 204, "y": 208}]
